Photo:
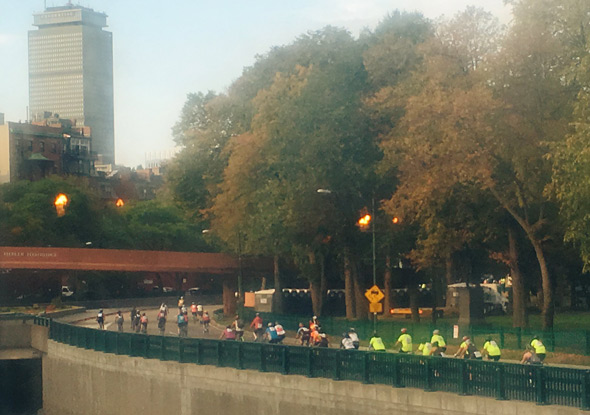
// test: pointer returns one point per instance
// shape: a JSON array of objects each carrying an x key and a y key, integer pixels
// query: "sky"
[{"x": 164, "y": 50}]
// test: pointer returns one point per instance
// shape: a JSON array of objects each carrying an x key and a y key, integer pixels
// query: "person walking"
[
  {"x": 194, "y": 311},
  {"x": 354, "y": 337},
  {"x": 100, "y": 319},
  {"x": 182, "y": 324},
  {"x": 119, "y": 320},
  {"x": 376, "y": 343},
  {"x": 256, "y": 324},
  {"x": 303, "y": 334},
  {"x": 228, "y": 334},
  {"x": 405, "y": 341},
  {"x": 322, "y": 339},
  {"x": 137, "y": 321},
  {"x": 205, "y": 322},
  {"x": 346, "y": 342},
  {"x": 161, "y": 322},
  {"x": 132, "y": 318},
  {"x": 491, "y": 349},
  {"x": 271, "y": 334},
  {"x": 144, "y": 323},
  {"x": 281, "y": 333},
  {"x": 238, "y": 326},
  {"x": 539, "y": 348}
]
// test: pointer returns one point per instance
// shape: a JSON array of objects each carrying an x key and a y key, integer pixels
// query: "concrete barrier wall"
[
  {"x": 80, "y": 382},
  {"x": 39, "y": 336},
  {"x": 15, "y": 334}
]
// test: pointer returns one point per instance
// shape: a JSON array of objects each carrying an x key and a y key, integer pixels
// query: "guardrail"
[{"x": 540, "y": 384}]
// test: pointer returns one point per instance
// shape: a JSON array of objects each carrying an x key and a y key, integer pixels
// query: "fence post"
[
  {"x": 337, "y": 365},
  {"x": 163, "y": 348},
  {"x": 146, "y": 346},
  {"x": 219, "y": 354},
  {"x": 117, "y": 339},
  {"x": 586, "y": 390},
  {"x": 428, "y": 369},
  {"x": 502, "y": 337},
  {"x": 284, "y": 360},
  {"x": 587, "y": 342},
  {"x": 519, "y": 337},
  {"x": 366, "y": 370},
  {"x": 464, "y": 377},
  {"x": 181, "y": 349},
  {"x": 397, "y": 382},
  {"x": 240, "y": 363},
  {"x": 262, "y": 359},
  {"x": 500, "y": 390},
  {"x": 310, "y": 363},
  {"x": 199, "y": 352},
  {"x": 540, "y": 385}
]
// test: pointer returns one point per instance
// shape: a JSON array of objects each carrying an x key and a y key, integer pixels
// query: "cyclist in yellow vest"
[
  {"x": 405, "y": 342},
  {"x": 376, "y": 343},
  {"x": 425, "y": 347},
  {"x": 539, "y": 347},
  {"x": 440, "y": 340},
  {"x": 492, "y": 349}
]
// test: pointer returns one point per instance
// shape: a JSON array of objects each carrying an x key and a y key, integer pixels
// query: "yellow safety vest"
[
  {"x": 492, "y": 348},
  {"x": 438, "y": 339},
  {"x": 406, "y": 342},
  {"x": 538, "y": 345},
  {"x": 376, "y": 343},
  {"x": 426, "y": 348}
]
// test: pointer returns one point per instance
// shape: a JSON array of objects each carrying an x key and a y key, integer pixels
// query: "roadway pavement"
[
  {"x": 195, "y": 329},
  {"x": 88, "y": 319}
]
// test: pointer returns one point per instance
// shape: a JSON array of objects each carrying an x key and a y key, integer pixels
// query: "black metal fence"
[
  {"x": 574, "y": 341},
  {"x": 539, "y": 384}
]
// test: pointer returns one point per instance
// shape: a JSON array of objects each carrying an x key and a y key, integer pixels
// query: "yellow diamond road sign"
[{"x": 374, "y": 294}]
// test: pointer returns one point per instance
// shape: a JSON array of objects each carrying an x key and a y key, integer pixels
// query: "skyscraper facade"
[{"x": 71, "y": 72}]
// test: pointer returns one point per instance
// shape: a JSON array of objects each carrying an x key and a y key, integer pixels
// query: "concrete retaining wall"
[
  {"x": 80, "y": 382},
  {"x": 15, "y": 334}
]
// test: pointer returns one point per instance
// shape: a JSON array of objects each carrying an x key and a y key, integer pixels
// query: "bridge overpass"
[
  {"x": 218, "y": 265},
  {"x": 87, "y": 371}
]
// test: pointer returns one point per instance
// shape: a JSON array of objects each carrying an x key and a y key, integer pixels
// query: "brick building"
[{"x": 32, "y": 151}]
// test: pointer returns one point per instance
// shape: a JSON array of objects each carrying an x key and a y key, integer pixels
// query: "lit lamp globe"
[{"x": 61, "y": 201}]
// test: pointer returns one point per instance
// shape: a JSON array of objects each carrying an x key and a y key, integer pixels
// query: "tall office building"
[{"x": 71, "y": 72}]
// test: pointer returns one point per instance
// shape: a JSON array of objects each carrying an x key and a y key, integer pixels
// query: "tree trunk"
[
  {"x": 413, "y": 294},
  {"x": 323, "y": 282},
  {"x": 548, "y": 305},
  {"x": 315, "y": 288},
  {"x": 387, "y": 303},
  {"x": 277, "y": 299},
  {"x": 263, "y": 284},
  {"x": 348, "y": 288},
  {"x": 229, "y": 297},
  {"x": 519, "y": 312},
  {"x": 361, "y": 303}
]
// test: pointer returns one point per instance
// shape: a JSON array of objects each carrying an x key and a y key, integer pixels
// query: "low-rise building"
[{"x": 52, "y": 146}]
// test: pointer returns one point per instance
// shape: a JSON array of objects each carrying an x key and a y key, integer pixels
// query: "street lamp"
[{"x": 61, "y": 201}]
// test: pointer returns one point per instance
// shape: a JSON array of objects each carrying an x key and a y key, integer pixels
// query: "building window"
[
  {"x": 53, "y": 148},
  {"x": 30, "y": 146},
  {"x": 41, "y": 146}
]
